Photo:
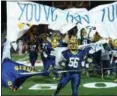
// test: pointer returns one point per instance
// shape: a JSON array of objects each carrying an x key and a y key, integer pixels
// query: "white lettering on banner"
[
  {"x": 43, "y": 87},
  {"x": 32, "y": 11},
  {"x": 106, "y": 85},
  {"x": 109, "y": 12}
]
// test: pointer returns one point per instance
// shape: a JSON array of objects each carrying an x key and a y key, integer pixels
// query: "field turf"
[{"x": 66, "y": 90}]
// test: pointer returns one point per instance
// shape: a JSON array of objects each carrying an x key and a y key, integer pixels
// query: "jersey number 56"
[{"x": 73, "y": 62}]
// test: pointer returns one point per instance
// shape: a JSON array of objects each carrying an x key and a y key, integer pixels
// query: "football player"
[
  {"x": 72, "y": 58},
  {"x": 33, "y": 51},
  {"x": 97, "y": 55},
  {"x": 114, "y": 57},
  {"x": 49, "y": 57},
  {"x": 84, "y": 38},
  {"x": 61, "y": 41},
  {"x": 44, "y": 45}
]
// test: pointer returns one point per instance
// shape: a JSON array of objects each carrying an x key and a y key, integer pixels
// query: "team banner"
[
  {"x": 21, "y": 14},
  {"x": 104, "y": 17},
  {"x": 33, "y": 13}
]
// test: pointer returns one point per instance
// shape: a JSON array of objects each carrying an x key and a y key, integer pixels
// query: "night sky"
[{"x": 3, "y": 7}]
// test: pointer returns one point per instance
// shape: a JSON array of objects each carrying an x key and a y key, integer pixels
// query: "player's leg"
[
  {"x": 43, "y": 59},
  {"x": 55, "y": 69},
  {"x": 115, "y": 63},
  {"x": 75, "y": 82},
  {"x": 47, "y": 64},
  {"x": 114, "y": 67},
  {"x": 97, "y": 58},
  {"x": 108, "y": 66},
  {"x": 33, "y": 58},
  {"x": 63, "y": 81}
]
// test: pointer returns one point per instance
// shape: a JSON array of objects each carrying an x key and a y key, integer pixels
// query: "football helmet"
[
  {"x": 96, "y": 37},
  {"x": 57, "y": 36},
  {"x": 114, "y": 43},
  {"x": 54, "y": 43},
  {"x": 73, "y": 43}
]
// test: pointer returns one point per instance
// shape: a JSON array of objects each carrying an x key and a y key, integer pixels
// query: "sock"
[{"x": 57, "y": 90}]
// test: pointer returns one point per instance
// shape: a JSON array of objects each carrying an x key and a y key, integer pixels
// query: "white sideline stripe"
[{"x": 28, "y": 64}]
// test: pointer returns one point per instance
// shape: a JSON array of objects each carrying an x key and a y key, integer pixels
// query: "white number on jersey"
[{"x": 73, "y": 62}]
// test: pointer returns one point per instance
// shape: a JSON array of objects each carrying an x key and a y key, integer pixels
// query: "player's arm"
[
  {"x": 62, "y": 60},
  {"x": 85, "y": 52},
  {"x": 37, "y": 47},
  {"x": 52, "y": 53},
  {"x": 44, "y": 54}
]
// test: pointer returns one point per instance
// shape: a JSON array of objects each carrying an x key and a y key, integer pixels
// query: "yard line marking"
[
  {"x": 43, "y": 87},
  {"x": 22, "y": 59},
  {"x": 93, "y": 85},
  {"x": 28, "y": 64}
]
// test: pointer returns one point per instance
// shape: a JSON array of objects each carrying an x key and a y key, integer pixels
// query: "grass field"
[{"x": 66, "y": 90}]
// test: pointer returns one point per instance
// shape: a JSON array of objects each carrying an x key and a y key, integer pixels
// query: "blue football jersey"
[
  {"x": 32, "y": 46},
  {"x": 115, "y": 54},
  {"x": 61, "y": 43},
  {"x": 73, "y": 61},
  {"x": 47, "y": 48},
  {"x": 45, "y": 45}
]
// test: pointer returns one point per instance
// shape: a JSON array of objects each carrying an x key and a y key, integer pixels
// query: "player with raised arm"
[
  {"x": 49, "y": 57},
  {"x": 72, "y": 58}
]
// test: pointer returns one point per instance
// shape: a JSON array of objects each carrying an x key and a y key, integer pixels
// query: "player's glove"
[
  {"x": 52, "y": 53},
  {"x": 89, "y": 60},
  {"x": 116, "y": 61},
  {"x": 62, "y": 63},
  {"x": 45, "y": 55}
]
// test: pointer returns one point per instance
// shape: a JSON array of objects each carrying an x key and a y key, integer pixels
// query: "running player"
[
  {"x": 49, "y": 57},
  {"x": 73, "y": 58},
  {"x": 114, "y": 58},
  {"x": 33, "y": 51}
]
